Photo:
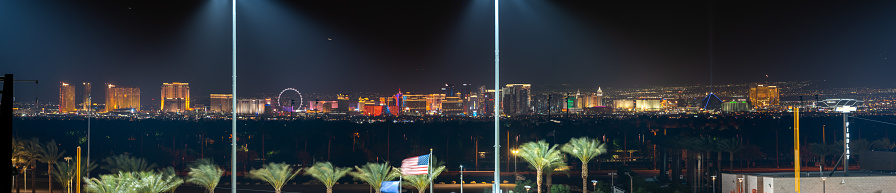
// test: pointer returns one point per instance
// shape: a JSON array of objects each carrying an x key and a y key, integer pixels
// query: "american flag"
[{"x": 415, "y": 165}]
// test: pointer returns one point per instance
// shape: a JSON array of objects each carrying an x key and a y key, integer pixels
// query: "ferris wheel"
[{"x": 290, "y": 99}]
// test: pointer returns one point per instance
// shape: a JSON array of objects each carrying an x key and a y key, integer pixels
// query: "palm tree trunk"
[
  {"x": 33, "y": 183},
  {"x": 719, "y": 163},
  {"x": 277, "y": 190},
  {"x": 731, "y": 161},
  {"x": 50, "y": 176},
  {"x": 329, "y": 189},
  {"x": 548, "y": 181},
  {"x": 584, "y": 177},
  {"x": 17, "y": 183},
  {"x": 537, "y": 179},
  {"x": 676, "y": 166}
]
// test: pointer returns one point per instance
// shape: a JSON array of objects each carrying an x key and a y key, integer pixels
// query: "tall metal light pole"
[
  {"x": 90, "y": 98},
  {"x": 233, "y": 108},
  {"x": 461, "y": 178},
  {"x": 612, "y": 183},
  {"x": 497, "y": 184}
]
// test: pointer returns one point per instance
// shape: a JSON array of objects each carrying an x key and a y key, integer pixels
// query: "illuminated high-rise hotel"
[
  {"x": 599, "y": 97},
  {"x": 85, "y": 97},
  {"x": 221, "y": 103},
  {"x": 175, "y": 97},
  {"x": 515, "y": 99},
  {"x": 764, "y": 96},
  {"x": 66, "y": 98},
  {"x": 122, "y": 98}
]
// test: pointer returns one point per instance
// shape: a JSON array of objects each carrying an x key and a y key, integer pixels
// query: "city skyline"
[{"x": 607, "y": 44}]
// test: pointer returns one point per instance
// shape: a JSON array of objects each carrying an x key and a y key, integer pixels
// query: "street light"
[
  {"x": 631, "y": 184},
  {"x": 713, "y": 184},
  {"x": 595, "y": 184},
  {"x": 823, "y": 185},
  {"x": 739, "y": 183},
  {"x": 515, "y": 156},
  {"x": 527, "y": 188},
  {"x": 461, "y": 178},
  {"x": 612, "y": 184}
]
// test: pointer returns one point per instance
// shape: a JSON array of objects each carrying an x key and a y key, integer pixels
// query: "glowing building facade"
[
  {"x": 86, "y": 101},
  {"x": 763, "y": 96},
  {"x": 648, "y": 104},
  {"x": 434, "y": 103},
  {"x": 624, "y": 104},
  {"x": 413, "y": 104},
  {"x": 250, "y": 106},
  {"x": 175, "y": 97},
  {"x": 221, "y": 103},
  {"x": 515, "y": 99},
  {"x": 453, "y": 106},
  {"x": 735, "y": 106},
  {"x": 122, "y": 98},
  {"x": 66, "y": 98}
]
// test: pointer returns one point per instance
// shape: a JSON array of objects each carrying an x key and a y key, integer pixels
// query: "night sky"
[{"x": 342, "y": 46}]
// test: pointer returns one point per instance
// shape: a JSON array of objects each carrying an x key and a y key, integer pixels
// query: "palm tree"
[
  {"x": 50, "y": 155},
  {"x": 126, "y": 163},
  {"x": 65, "y": 171},
  {"x": 326, "y": 173},
  {"x": 549, "y": 172},
  {"x": 152, "y": 182},
  {"x": 822, "y": 150},
  {"x": 113, "y": 183},
  {"x": 205, "y": 174},
  {"x": 276, "y": 174},
  {"x": 169, "y": 172},
  {"x": 882, "y": 144},
  {"x": 20, "y": 157},
  {"x": 133, "y": 182},
  {"x": 35, "y": 154},
  {"x": 375, "y": 173},
  {"x": 585, "y": 149},
  {"x": 731, "y": 146},
  {"x": 539, "y": 155},
  {"x": 421, "y": 182}
]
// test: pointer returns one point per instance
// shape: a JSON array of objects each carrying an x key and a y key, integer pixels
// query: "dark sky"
[{"x": 383, "y": 45}]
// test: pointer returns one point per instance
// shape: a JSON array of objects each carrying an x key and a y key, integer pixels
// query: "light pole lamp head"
[
  {"x": 740, "y": 179},
  {"x": 527, "y": 187},
  {"x": 713, "y": 177},
  {"x": 824, "y": 178},
  {"x": 594, "y": 182}
]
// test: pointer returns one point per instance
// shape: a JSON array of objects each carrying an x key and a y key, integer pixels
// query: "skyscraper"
[
  {"x": 221, "y": 103},
  {"x": 763, "y": 96},
  {"x": 516, "y": 99},
  {"x": 448, "y": 90},
  {"x": 66, "y": 98},
  {"x": 175, "y": 97},
  {"x": 599, "y": 97},
  {"x": 122, "y": 98},
  {"x": 86, "y": 97}
]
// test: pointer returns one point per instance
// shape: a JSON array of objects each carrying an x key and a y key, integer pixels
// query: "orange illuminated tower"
[
  {"x": 175, "y": 97},
  {"x": 764, "y": 96},
  {"x": 122, "y": 98},
  {"x": 66, "y": 98},
  {"x": 85, "y": 97}
]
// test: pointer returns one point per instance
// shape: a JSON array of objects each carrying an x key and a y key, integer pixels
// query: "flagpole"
[{"x": 429, "y": 170}]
